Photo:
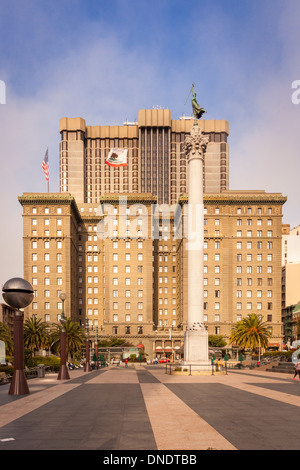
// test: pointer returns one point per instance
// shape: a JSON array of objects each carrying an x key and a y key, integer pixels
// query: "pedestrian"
[
  {"x": 126, "y": 365},
  {"x": 297, "y": 370},
  {"x": 220, "y": 364}
]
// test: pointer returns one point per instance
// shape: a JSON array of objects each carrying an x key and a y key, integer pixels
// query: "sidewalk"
[{"x": 142, "y": 408}]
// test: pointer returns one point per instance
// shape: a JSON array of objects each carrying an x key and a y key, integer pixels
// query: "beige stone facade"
[
  {"x": 126, "y": 270},
  {"x": 156, "y": 159}
]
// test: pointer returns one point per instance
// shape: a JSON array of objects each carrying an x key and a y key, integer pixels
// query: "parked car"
[{"x": 163, "y": 359}]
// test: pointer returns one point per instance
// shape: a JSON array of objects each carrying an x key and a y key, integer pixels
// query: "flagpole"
[{"x": 48, "y": 172}]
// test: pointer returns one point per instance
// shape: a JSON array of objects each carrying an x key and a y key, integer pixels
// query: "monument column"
[{"x": 196, "y": 336}]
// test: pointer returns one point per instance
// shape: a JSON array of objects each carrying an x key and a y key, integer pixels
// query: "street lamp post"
[
  {"x": 18, "y": 293},
  {"x": 87, "y": 367},
  {"x": 96, "y": 348},
  {"x": 63, "y": 373}
]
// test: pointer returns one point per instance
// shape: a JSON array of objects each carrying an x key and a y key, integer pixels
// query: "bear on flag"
[{"x": 117, "y": 157}]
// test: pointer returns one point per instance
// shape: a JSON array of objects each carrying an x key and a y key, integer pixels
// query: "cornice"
[{"x": 239, "y": 198}]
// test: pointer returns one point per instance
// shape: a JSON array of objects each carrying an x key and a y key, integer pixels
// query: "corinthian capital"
[{"x": 195, "y": 144}]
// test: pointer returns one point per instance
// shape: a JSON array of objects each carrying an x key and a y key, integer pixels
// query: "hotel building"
[{"x": 122, "y": 263}]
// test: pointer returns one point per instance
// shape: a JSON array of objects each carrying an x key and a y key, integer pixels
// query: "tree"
[
  {"x": 216, "y": 341},
  {"x": 113, "y": 342},
  {"x": 6, "y": 337},
  {"x": 36, "y": 335},
  {"x": 75, "y": 337},
  {"x": 250, "y": 332}
]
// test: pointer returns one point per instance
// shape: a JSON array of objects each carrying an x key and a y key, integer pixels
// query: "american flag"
[{"x": 45, "y": 165}]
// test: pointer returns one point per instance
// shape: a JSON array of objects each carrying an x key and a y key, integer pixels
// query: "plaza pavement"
[{"x": 143, "y": 409}]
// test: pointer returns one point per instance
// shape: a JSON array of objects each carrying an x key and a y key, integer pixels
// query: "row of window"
[
  {"x": 239, "y": 222},
  {"x": 249, "y": 305},
  {"x": 128, "y": 317},
  {"x": 127, "y": 281},
  {"x": 258, "y": 222},
  {"x": 47, "y": 244},
  {"x": 127, "y": 293},
  {"x": 47, "y": 221},
  {"x": 115, "y": 256},
  {"x": 47, "y": 210},
  {"x": 127, "y": 305},
  {"x": 59, "y": 281},
  {"x": 166, "y": 311},
  {"x": 128, "y": 330},
  {"x": 138, "y": 269},
  {"x": 259, "y": 233},
  {"x": 238, "y": 318},
  {"x": 47, "y": 257},
  {"x": 59, "y": 269}
]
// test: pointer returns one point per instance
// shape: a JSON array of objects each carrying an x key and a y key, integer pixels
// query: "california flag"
[{"x": 117, "y": 157}]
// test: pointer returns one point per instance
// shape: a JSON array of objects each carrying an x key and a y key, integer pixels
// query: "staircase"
[{"x": 284, "y": 367}]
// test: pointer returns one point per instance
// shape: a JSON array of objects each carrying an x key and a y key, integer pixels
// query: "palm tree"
[
  {"x": 250, "y": 332},
  {"x": 36, "y": 334},
  {"x": 75, "y": 336},
  {"x": 6, "y": 337}
]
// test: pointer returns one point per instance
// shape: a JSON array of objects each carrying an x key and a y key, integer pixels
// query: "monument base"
[
  {"x": 196, "y": 349},
  {"x": 18, "y": 384},
  {"x": 63, "y": 373}
]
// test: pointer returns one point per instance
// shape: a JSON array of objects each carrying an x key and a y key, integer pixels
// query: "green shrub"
[
  {"x": 9, "y": 370},
  {"x": 47, "y": 361},
  {"x": 277, "y": 353}
]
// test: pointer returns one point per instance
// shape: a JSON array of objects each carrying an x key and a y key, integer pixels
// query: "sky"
[{"x": 103, "y": 60}]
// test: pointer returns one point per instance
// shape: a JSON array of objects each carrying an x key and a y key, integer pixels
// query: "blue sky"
[{"x": 104, "y": 60}]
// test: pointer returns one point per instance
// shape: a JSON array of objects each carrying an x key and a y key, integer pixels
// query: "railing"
[{"x": 212, "y": 367}]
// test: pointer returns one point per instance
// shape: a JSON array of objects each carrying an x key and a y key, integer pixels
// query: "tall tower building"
[{"x": 156, "y": 159}]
